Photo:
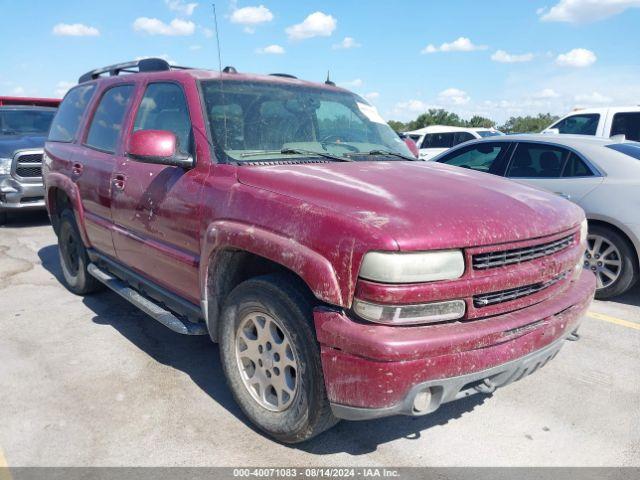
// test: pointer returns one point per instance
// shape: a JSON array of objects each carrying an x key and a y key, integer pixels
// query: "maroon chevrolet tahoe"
[{"x": 288, "y": 222}]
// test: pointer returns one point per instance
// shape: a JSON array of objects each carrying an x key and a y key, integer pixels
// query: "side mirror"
[
  {"x": 551, "y": 131},
  {"x": 159, "y": 147}
]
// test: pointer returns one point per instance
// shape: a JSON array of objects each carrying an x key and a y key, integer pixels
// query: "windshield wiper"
[
  {"x": 383, "y": 152},
  {"x": 296, "y": 151}
]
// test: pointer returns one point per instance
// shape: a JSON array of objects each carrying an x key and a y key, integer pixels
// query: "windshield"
[
  {"x": 489, "y": 133},
  {"x": 255, "y": 121},
  {"x": 35, "y": 122}
]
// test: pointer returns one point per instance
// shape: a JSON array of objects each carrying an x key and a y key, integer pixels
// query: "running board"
[{"x": 149, "y": 307}]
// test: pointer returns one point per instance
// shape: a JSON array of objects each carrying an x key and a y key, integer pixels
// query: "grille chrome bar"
[
  {"x": 483, "y": 261},
  {"x": 487, "y": 299},
  {"x": 27, "y": 165}
]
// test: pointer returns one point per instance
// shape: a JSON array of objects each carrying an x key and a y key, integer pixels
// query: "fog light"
[
  {"x": 422, "y": 401},
  {"x": 410, "y": 314}
]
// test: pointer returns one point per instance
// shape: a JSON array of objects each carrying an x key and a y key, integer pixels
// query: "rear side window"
[
  {"x": 65, "y": 124},
  {"x": 627, "y": 124},
  {"x": 164, "y": 107},
  {"x": 438, "y": 140},
  {"x": 481, "y": 157},
  {"x": 106, "y": 124},
  {"x": 575, "y": 167},
  {"x": 537, "y": 161},
  {"x": 585, "y": 124}
]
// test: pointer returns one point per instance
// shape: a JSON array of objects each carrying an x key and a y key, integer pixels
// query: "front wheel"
[
  {"x": 271, "y": 358},
  {"x": 610, "y": 257}
]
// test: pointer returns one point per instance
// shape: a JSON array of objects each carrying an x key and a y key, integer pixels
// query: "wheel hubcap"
[
  {"x": 70, "y": 253},
  {"x": 267, "y": 362},
  {"x": 603, "y": 258}
]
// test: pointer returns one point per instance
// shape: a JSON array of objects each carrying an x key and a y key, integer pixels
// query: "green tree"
[
  {"x": 397, "y": 126},
  {"x": 436, "y": 116},
  {"x": 478, "y": 121},
  {"x": 528, "y": 124}
]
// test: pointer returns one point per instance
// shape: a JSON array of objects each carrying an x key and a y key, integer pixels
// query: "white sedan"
[{"x": 599, "y": 174}]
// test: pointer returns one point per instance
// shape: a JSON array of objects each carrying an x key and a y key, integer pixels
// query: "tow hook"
[{"x": 487, "y": 386}]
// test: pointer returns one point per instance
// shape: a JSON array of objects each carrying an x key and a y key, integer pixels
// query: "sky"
[{"x": 497, "y": 59}]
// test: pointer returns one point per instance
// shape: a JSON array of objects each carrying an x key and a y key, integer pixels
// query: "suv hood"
[
  {"x": 422, "y": 205},
  {"x": 10, "y": 143}
]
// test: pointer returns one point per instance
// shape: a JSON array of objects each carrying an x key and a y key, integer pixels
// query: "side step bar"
[{"x": 149, "y": 307}]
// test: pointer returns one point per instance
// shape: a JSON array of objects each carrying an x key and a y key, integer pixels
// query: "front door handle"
[
  {"x": 76, "y": 169},
  {"x": 564, "y": 195},
  {"x": 118, "y": 181}
]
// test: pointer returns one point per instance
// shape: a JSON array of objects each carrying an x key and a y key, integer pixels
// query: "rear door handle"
[
  {"x": 76, "y": 169},
  {"x": 118, "y": 181}
]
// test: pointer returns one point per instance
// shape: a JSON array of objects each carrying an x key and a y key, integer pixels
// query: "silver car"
[{"x": 599, "y": 174}]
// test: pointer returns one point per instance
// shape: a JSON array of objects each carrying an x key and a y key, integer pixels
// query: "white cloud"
[
  {"x": 346, "y": 43},
  {"x": 593, "y": 98},
  {"x": 503, "y": 57},
  {"x": 454, "y": 96},
  {"x": 153, "y": 26},
  {"x": 578, "y": 57},
  {"x": 181, "y": 7},
  {"x": 409, "y": 108},
  {"x": 355, "y": 83},
  {"x": 462, "y": 44},
  {"x": 271, "y": 49},
  {"x": 585, "y": 11},
  {"x": 251, "y": 17},
  {"x": 62, "y": 88},
  {"x": 317, "y": 24},
  {"x": 75, "y": 30},
  {"x": 546, "y": 93},
  {"x": 372, "y": 96}
]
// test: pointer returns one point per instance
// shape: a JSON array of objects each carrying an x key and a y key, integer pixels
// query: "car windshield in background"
[
  {"x": 255, "y": 121},
  {"x": 631, "y": 149},
  {"x": 25, "y": 122},
  {"x": 486, "y": 133}
]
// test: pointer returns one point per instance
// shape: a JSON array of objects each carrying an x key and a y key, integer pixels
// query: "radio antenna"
[{"x": 220, "y": 73}]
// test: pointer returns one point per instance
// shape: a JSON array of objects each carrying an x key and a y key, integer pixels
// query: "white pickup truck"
[{"x": 600, "y": 122}]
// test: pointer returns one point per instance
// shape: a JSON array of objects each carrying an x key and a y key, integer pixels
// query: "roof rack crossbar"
[{"x": 142, "y": 65}]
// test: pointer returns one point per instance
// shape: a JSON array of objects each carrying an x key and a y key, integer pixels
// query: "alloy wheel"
[
  {"x": 603, "y": 258},
  {"x": 267, "y": 361}
]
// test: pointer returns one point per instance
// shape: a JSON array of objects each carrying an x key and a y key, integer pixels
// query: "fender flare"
[{"x": 62, "y": 182}]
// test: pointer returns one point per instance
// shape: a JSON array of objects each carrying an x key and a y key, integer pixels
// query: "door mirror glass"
[{"x": 159, "y": 147}]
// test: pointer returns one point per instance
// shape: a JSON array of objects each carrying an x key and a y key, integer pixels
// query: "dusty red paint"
[
  {"x": 318, "y": 221},
  {"x": 30, "y": 101}
]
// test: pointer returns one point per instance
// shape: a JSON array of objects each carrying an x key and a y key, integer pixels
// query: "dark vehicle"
[
  {"x": 24, "y": 125},
  {"x": 286, "y": 220}
]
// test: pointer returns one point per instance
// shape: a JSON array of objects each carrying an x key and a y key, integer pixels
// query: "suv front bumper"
[
  {"x": 375, "y": 371},
  {"x": 15, "y": 195}
]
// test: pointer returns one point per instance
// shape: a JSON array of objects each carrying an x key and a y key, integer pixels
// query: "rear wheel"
[
  {"x": 610, "y": 257},
  {"x": 271, "y": 358},
  {"x": 73, "y": 257}
]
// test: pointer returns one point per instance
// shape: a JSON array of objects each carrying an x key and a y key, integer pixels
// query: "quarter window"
[
  {"x": 585, "y": 124},
  {"x": 537, "y": 161},
  {"x": 576, "y": 167},
  {"x": 627, "y": 124},
  {"x": 107, "y": 121},
  {"x": 164, "y": 107},
  {"x": 65, "y": 123}
]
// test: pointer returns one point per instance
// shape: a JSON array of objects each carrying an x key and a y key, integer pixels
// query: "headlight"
[
  {"x": 584, "y": 231},
  {"x": 412, "y": 267},
  {"x": 5, "y": 166},
  {"x": 410, "y": 314}
]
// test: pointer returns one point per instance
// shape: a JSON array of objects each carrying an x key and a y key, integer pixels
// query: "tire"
[
  {"x": 301, "y": 409},
  {"x": 3, "y": 218},
  {"x": 73, "y": 257},
  {"x": 612, "y": 259}
]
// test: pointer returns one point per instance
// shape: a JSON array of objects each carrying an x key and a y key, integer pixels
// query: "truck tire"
[
  {"x": 613, "y": 261},
  {"x": 73, "y": 257},
  {"x": 271, "y": 358}
]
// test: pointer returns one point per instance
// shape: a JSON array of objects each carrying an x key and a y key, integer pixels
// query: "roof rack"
[
  {"x": 283, "y": 75},
  {"x": 136, "y": 66}
]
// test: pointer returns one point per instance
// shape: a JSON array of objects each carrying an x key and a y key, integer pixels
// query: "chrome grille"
[
  {"x": 483, "y": 261},
  {"x": 28, "y": 165},
  {"x": 487, "y": 299}
]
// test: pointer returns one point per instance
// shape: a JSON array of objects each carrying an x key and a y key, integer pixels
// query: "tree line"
[{"x": 438, "y": 116}]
